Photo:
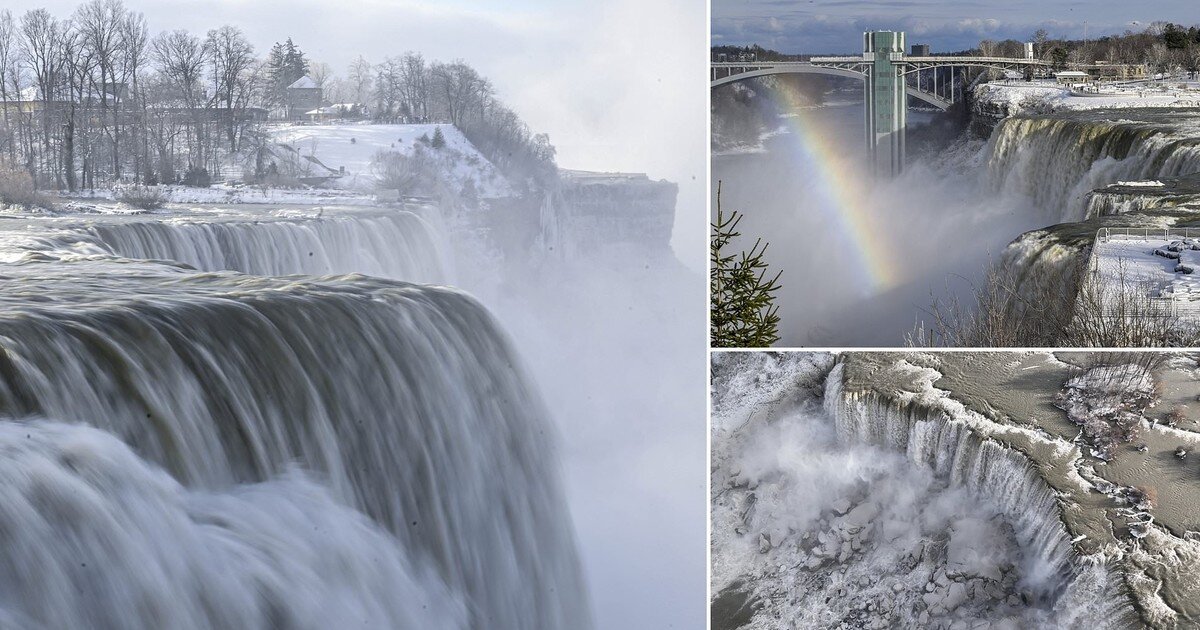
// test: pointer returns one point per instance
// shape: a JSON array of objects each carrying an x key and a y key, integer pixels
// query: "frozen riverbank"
[{"x": 987, "y": 425}]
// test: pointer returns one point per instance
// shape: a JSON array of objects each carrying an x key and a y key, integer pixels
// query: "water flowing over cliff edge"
[
  {"x": 982, "y": 424},
  {"x": 300, "y": 451},
  {"x": 1129, "y": 169}
]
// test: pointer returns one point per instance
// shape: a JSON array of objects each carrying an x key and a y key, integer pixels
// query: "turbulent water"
[
  {"x": 300, "y": 452},
  {"x": 97, "y": 537},
  {"x": 1056, "y": 161},
  {"x": 392, "y": 244},
  {"x": 876, "y": 513}
]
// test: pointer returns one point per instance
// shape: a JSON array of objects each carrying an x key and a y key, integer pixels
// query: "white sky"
[{"x": 619, "y": 85}]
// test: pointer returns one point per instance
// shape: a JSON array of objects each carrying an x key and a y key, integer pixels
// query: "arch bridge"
[{"x": 890, "y": 77}]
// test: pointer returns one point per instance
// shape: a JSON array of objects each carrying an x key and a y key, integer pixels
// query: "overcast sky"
[
  {"x": 836, "y": 26},
  {"x": 619, "y": 85}
]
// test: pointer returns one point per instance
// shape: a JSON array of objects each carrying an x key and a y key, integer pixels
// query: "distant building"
[
  {"x": 1103, "y": 71},
  {"x": 1072, "y": 77},
  {"x": 920, "y": 50},
  {"x": 1029, "y": 50},
  {"x": 337, "y": 111},
  {"x": 302, "y": 96}
]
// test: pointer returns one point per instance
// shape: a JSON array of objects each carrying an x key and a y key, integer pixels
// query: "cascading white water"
[
  {"x": 96, "y": 537},
  {"x": 405, "y": 401},
  {"x": 1058, "y": 160},
  {"x": 1102, "y": 204},
  {"x": 393, "y": 244},
  {"x": 1085, "y": 593}
]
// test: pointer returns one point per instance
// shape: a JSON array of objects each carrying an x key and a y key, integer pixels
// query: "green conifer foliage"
[{"x": 742, "y": 311}]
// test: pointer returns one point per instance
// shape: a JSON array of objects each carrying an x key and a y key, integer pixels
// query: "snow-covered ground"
[
  {"x": 1133, "y": 260},
  {"x": 1043, "y": 97},
  {"x": 222, "y": 193},
  {"x": 354, "y": 147}
]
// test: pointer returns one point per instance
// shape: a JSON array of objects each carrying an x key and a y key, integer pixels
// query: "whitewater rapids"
[{"x": 202, "y": 448}]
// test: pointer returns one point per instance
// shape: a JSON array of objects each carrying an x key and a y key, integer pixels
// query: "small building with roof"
[{"x": 303, "y": 95}]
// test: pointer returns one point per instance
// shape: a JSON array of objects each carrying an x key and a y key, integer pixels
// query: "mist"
[
  {"x": 617, "y": 348},
  {"x": 817, "y": 527},
  {"x": 862, "y": 259}
]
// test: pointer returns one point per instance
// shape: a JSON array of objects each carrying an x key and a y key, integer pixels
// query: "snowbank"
[
  {"x": 1154, "y": 262},
  {"x": 329, "y": 148},
  {"x": 1040, "y": 97},
  {"x": 224, "y": 193}
]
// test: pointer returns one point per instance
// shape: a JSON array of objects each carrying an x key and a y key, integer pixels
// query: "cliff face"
[{"x": 599, "y": 212}]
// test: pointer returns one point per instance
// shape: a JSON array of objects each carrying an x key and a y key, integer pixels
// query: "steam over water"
[{"x": 260, "y": 452}]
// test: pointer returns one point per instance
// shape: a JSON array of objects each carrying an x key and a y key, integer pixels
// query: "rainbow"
[{"x": 843, "y": 195}]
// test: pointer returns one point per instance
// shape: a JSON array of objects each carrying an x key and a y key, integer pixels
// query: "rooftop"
[{"x": 304, "y": 82}]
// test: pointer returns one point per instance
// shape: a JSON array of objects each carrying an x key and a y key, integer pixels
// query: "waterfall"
[
  {"x": 95, "y": 537},
  {"x": 954, "y": 450},
  {"x": 392, "y": 419},
  {"x": 1058, "y": 160},
  {"x": 1101, "y": 203},
  {"x": 394, "y": 244}
]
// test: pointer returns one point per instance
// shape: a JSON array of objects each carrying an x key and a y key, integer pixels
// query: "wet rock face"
[{"x": 733, "y": 607}]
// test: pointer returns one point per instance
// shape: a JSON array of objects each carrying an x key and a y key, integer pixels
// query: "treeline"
[
  {"x": 93, "y": 98},
  {"x": 407, "y": 88},
  {"x": 1161, "y": 47},
  {"x": 751, "y": 53}
]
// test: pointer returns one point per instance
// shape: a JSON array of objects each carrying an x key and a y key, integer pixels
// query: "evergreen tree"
[
  {"x": 743, "y": 312},
  {"x": 285, "y": 65},
  {"x": 439, "y": 140}
]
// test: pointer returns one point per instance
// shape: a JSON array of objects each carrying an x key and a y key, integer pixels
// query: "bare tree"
[
  {"x": 79, "y": 64},
  {"x": 389, "y": 96},
  {"x": 180, "y": 57},
  {"x": 413, "y": 82},
  {"x": 1040, "y": 37},
  {"x": 135, "y": 37},
  {"x": 461, "y": 91},
  {"x": 8, "y": 56},
  {"x": 1157, "y": 58},
  {"x": 360, "y": 79},
  {"x": 321, "y": 73},
  {"x": 42, "y": 49},
  {"x": 231, "y": 58},
  {"x": 97, "y": 25}
]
